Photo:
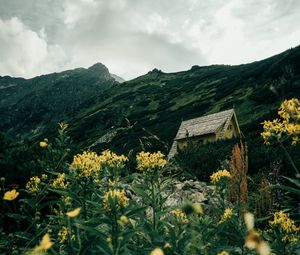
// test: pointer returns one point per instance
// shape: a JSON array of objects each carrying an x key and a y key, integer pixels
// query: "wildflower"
[
  {"x": 198, "y": 208},
  {"x": 287, "y": 225},
  {"x": 223, "y": 253},
  {"x": 63, "y": 235},
  {"x": 45, "y": 243},
  {"x": 112, "y": 160},
  {"x": 58, "y": 212},
  {"x": 44, "y": 177},
  {"x": 150, "y": 161},
  {"x": 177, "y": 213},
  {"x": 123, "y": 220},
  {"x": 74, "y": 213},
  {"x": 60, "y": 181},
  {"x": 115, "y": 199},
  {"x": 288, "y": 125},
  {"x": 86, "y": 164},
  {"x": 167, "y": 246},
  {"x": 226, "y": 215},
  {"x": 109, "y": 240},
  {"x": 66, "y": 200},
  {"x": 273, "y": 129},
  {"x": 112, "y": 183},
  {"x": 157, "y": 251},
  {"x": 254, "y": 240},
  {"x": 10, "y": 195},
  {"x": 263, "y": 248},
  {"x": 33, "y": 185},
  {"x": 290, "y": 109},
  {"x": 249, "y": 220},
  {"x": 216, "y": 177},
  {"x": 63, "y": 126},
  {"x": 295, "y": 140},
  {"x": 43, "y": 144}
]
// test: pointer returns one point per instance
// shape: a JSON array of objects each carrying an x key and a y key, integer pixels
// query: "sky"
[{"x": 132, "y": 37}]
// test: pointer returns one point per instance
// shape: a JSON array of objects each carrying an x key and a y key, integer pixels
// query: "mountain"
[
  {"x": 152, "y": 106},
  {"x": 117, "y": 78},
  {"x": 33, "y": 106},
  {"x": 145, "y": 111}
]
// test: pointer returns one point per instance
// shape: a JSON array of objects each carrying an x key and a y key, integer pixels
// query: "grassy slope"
[
  {"x": 100, "y": 109},
  {"x": 159, "y": 101},
  {"x": 33, "y": 106}
]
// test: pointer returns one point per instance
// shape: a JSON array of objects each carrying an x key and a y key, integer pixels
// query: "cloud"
[
  {"x": 132, "y": 37},
  {"x": 128, "y": 37},
  {"x": 25, "y": 53}
]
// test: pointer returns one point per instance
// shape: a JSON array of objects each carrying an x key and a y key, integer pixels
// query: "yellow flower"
[
  {"x": 60, "y": 182},
  {"x": 287, "y": 225},
  {"x": 167, "y": 246},
  {"x": 289, "y": 125},
  {"x": 123, "y": 220},
  {"x": 216, "y": 177},
  {"x": 33, "y": 185},
  {"x": 63, "y": 126},
  {"x": 263, "y": 248},
  {"x": 295, "y": 140},
  {"x": 290, "y": 109},
  {"x": 112, "y": 160},
  {"x": 223, "y": 253},
  {"x": 44, "y": 176},
  {"x": 198, "y": 208},
  {"x": 74, "y": 213},
  {"x": 249, "y": 220},
  {"x": 10, "y": 195},
  {"x": 45, "y": 243},
  {"x": 58, "y": 212},
  {"x": 150, "y": 161},
  {"x": 254, "y": 240},
  {"x": 157, "y": 251},
  {"x": 66, "y": 200},
  {"x": 227, "y": 214},
  {"x": 86, "y": 164},
  {"x": 63, "y": 234},
  {"x": 112, "y": 183},
  {"x": 43, "y": 144},
  {"x": 177, "y": 213},
  {"x": 114, "y": 199}
]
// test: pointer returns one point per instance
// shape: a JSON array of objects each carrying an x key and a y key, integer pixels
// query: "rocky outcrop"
[{"x": 190, "y": 191}]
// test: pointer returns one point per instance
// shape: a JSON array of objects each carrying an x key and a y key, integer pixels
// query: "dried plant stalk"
[
  {"x": 238, "y": 190},
  {"x": 265, "y": 201}
]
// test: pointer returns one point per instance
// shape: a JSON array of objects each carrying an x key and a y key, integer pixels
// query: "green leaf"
[{"x": 138, "y": 189}]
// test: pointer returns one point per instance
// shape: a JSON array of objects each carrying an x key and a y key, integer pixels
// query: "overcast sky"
[{"x": 132, "y": 37}]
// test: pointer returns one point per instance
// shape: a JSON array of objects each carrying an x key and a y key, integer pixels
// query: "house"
[{"x": 208, "y": 128}]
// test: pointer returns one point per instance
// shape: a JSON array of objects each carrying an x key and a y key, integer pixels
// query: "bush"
[{"x": 201, "y": 161}]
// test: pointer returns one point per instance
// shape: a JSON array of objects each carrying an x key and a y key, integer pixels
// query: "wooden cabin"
[{"x": 208, "y": 128}]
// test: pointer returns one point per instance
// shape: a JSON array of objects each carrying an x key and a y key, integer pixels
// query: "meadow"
[{"x": 106, "y": 203}]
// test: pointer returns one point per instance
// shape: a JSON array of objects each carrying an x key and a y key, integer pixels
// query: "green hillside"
[
  {"x": 32, "y": 107},
  {"x": 103, "y": 113},
  {"x": 157, "y": 102}
]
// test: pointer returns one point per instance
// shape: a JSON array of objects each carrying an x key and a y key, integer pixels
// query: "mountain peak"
[{"x": 98, "y": 67}]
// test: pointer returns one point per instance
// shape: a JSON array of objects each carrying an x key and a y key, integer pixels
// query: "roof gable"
[{"x": 208, "y": 124}]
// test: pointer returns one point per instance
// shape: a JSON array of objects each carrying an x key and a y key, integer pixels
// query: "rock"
[{"x": 189, "y": 191}]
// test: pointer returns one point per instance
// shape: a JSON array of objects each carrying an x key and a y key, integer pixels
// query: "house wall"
[
  {"x": 234, "y": 131},
  {"x": 198, "y": 139}
]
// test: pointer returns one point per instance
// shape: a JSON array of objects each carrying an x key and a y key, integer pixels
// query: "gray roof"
[{"x": 208, "y": 124}]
